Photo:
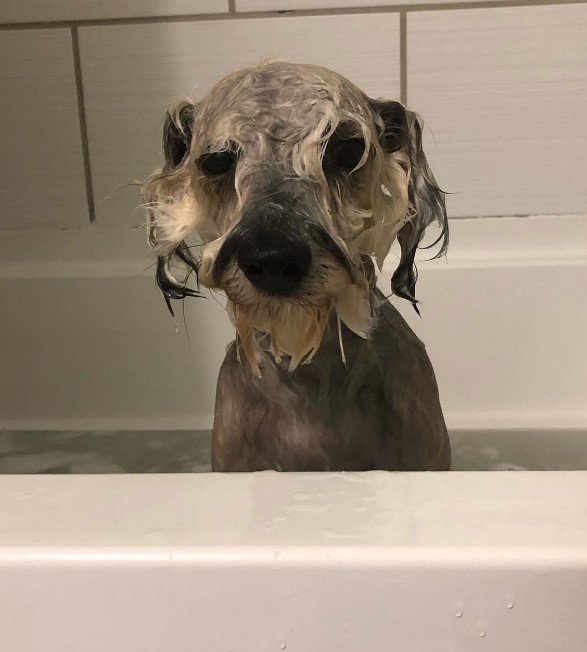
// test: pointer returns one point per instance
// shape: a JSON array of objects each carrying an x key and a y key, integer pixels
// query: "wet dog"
[{"x": 292, "y": 185}]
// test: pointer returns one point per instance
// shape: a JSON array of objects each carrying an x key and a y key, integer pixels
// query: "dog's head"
[{"x": 286, "y": 179}]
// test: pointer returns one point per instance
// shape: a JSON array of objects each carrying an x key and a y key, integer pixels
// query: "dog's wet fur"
[{"x": 290, "y": 183}]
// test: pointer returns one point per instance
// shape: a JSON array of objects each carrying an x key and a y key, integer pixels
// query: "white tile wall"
[
  {"x": 131, "y": 74},
  {"x": 504, "y": 92},
  {"x": 281, "y": 5},
  {"x": 41, "y": 166},
  {"x": 18, "y": 11}
]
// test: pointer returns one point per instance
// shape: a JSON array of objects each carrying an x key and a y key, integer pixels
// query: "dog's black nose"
[{"x": 274, "y": 263}]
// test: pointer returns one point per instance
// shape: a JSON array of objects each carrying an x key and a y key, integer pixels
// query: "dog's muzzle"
[{"x": 274, "y": 241}]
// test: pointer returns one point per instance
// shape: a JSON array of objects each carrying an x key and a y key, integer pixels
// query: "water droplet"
[
  {"x": 483, "y": 634},
  {"x": 282, "y": 646},
  {"x": 458, "y": 614},
  {"x": 510, "y": 605}
]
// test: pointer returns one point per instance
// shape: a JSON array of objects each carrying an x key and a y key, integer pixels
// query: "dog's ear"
[
  {"x": 165, "y": 193},
  {"x": 401, "y": 130},
  {"x": 177, "y": 134},
  {"x": 165, "y": 190},
  {"x": 177, "y": 140}
]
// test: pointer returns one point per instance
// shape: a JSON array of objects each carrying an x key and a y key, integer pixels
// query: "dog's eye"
[
  {"x": 217, "y": 163},
  {"x": 345, "y": 153}
]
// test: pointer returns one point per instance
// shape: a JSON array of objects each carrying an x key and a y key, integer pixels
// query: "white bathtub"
[{"x": 447, "y": 562}]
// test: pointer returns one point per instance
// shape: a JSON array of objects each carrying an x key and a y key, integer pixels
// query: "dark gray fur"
[{"x": 379, "y": 411}]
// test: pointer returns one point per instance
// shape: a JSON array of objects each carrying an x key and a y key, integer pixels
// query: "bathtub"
[
  {"x": 312, "y": 562},
  {"x": 98, "y": 553}
]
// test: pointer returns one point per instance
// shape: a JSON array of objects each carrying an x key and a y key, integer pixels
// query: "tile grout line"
[
  {"x": 231, "y": 6},
  {"x": 340, "y": 11},
  {"x": 83, "y": 126},
  {"x": 403, "y": 57}
]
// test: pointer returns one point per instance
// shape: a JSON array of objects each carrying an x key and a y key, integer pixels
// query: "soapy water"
[{"x": 189, "y": 451}]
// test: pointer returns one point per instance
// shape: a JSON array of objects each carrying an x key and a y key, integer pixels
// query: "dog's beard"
[{"x": 296, "y": 328}]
